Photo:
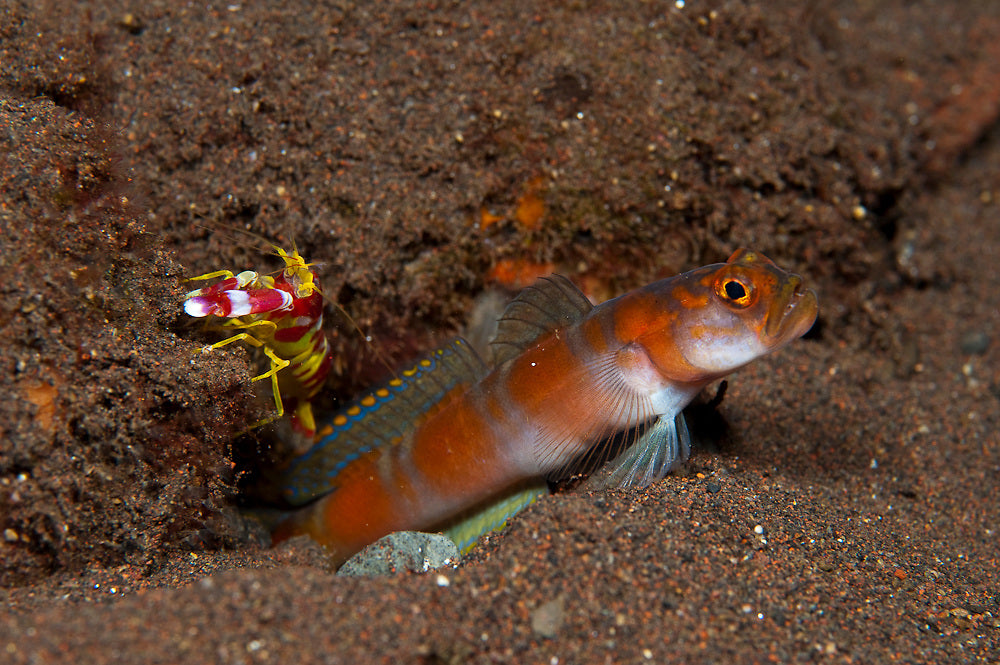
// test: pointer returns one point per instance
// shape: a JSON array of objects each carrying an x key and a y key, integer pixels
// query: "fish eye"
[{"x": 735, "y": 291}]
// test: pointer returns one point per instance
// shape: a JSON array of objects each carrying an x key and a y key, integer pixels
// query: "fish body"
[{"x": 451, "y": 435}]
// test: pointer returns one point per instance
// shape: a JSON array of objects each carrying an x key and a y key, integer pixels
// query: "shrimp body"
[{"x": 283, "y": 316}]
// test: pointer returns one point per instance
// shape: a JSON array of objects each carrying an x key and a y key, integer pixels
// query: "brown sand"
[{"x": 843, "y": 504}]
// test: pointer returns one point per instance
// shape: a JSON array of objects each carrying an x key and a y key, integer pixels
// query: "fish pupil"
[{"x": 735, "y": 290}]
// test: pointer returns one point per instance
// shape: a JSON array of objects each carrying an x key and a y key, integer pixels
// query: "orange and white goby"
[{"x": 451, "y": 435}]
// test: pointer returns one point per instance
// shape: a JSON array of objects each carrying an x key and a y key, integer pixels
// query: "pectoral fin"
[{"x": 662, "y": 447}]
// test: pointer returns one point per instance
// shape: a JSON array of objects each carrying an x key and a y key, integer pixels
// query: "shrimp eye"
[{"x": 735, "y": 292}]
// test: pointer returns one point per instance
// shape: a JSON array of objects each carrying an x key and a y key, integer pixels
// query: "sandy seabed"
[{"x": 842, "y": 503}]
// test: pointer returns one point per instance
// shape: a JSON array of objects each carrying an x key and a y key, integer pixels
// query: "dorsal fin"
[
  {"x": 550, "y": 303},
  {"x": 381, "y": 418}
]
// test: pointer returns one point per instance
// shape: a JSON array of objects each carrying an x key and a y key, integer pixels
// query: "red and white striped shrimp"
[{"x": 282, "y": 315}]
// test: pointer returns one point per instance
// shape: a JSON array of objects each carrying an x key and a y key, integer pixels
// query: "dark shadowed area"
[{"x": 842, "y": 503}]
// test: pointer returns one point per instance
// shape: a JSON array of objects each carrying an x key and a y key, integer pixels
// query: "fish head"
[
  {"x": 740, "y": 310},
  {"x": 717, "y": 318}
]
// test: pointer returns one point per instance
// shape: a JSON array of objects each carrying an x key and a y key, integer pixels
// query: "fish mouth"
[{"x": 793, "y": 312}]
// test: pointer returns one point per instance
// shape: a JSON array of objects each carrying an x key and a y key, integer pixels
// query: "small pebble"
[
  {"x": 974, "y": 343},
  {"x": 547, "y": 619},
  {"x": 404, "y": 550}
]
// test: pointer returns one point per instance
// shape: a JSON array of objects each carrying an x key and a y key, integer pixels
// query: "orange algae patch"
[
  {"x": 487, "y": 218},
  {"x": 516, "y": 273},
  {"x": 531, "y": 207},
  {"x": 42, "y": 395},
  {"x": 528, "y": 211}
]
